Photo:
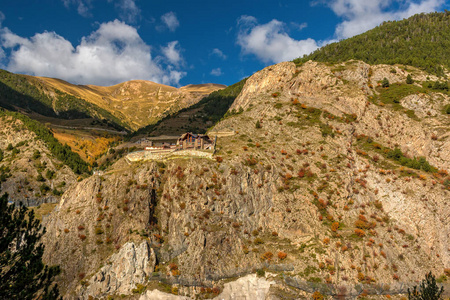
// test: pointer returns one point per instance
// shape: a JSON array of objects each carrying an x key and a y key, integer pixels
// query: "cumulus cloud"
[
  {"x": 216, "y": 72},
  {"x": 270, "y": 42},
  {"x": 113, "y": 53},
  {"x": 83, "y": 6},
  {"x": 360, "y": 16},
  {"x": 170, "y": 20},
  {"x": 173, "y": 53},
  {"x": 217, "y": 52},
  {"x": 128, "y": 10}
]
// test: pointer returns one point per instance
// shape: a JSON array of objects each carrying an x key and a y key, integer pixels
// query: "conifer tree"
[
  {"x": 23, "y": 275},
  {"x": 428, "y": 290}
]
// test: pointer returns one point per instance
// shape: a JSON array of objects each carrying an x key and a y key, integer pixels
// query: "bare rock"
[{"x": 127, "y": 268}]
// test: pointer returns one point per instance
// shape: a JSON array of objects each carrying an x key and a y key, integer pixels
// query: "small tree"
[
  {"x": 409, "y": 79},
  {"x": 428, "y": 290},
  {"x": 385, "y": 82},
  {"x": 23, "y": 275},
  {"x": 258, "y": 124}
]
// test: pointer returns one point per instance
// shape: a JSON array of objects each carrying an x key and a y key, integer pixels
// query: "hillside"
[
  {"x": 331, "y": 183},
  {"x": 136, "y": 103},
  {"x": 34, "y": 167},
  {"x": 422, "y": 41},
  {"x": 30, "y": 95},
  {"x": 197, "y": 117},
  {"x": 129, "y": 105}
]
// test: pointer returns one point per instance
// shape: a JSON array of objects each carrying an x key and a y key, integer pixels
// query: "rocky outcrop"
[{"x": 131, "y": 266}]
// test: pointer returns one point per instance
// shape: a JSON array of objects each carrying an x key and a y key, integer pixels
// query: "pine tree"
[
  {"x": 428, "y": 290},
  {"x": 409, "y": 79},
  {"x": 385, "y": 82},
  {"x": 23, "y": 275}
]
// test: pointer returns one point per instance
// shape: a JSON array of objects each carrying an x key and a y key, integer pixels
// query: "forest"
[{"x": 422, "y": 41}]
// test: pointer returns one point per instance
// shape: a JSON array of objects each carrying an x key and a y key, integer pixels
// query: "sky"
[{"x": 179, "y": 42}]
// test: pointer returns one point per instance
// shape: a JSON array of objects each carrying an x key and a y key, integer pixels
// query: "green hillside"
[
  {"x": 61, "y": 152},
  {"x": 421, "y": 41},
  {"x": 16, "y": 91}
]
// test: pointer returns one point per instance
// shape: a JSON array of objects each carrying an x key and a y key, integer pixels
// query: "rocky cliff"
[{"x": 330, "y": 183}]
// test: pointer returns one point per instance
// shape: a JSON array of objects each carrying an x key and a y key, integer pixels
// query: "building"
[{"x": 195, "y": 141}]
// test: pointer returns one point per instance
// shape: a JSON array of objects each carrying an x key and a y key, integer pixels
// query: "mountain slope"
[
  {"x": 422, "y": 41},
  {"x": 327, "y": 184},
  {"x": 137, "y": 103},
  {"x": 197, "y": 117},
  {"x": 34, "y": 167},
  {"x": 130, "y": 105},
  {"x": 32, "y": 96}
]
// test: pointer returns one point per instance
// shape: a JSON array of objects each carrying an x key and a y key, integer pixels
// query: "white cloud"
[
  {"x": 83, "y": 6},
  {"x": 216, "y": 72},
  {"x": 217, "y": 52},
  {"x": 360, "y": 16},
  {"x": 172, "y": 53},
  {"x": 299, "y": 26},
  {"x": 170, "y": 20},
  {"x": 113, "y": 53},
  {"x": 128, "y": 10},
  {"x": 270, "y": 42}
]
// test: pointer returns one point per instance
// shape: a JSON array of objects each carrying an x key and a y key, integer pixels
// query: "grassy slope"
[
  {"x": 421, "y": 41},
  {"x": 200, "y": 116},
  {"x": 31, "y": 95}
]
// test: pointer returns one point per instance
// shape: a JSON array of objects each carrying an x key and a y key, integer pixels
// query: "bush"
[
  {"x": 317, "y": 296},
  {"x": 385, "y": 82},
  {"x": 282, "y": 255}
]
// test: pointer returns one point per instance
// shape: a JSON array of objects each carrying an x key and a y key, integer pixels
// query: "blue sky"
[{"x": 179, "y": 42}]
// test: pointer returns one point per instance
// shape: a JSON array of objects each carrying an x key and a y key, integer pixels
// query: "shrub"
[
  {"x": 335, "y": 226},
  {"x": 282, "y": 255},
  {"x": 317, "y": 296},
  {"x": 267, "y": 256},
  {"x": 82, "y": 237},
  {"x": 360, "y": 232},
  {"x": 258, "y": 241},
  {"x": 385, "y": 82}
]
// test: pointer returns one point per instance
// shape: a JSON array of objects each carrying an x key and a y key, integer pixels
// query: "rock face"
[
  {"x": 127, "y": 268},
  {"x": 319, "y": 185},
  {"x": 247, "y": 287}
]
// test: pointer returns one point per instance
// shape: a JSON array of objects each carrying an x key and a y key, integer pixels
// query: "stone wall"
[{"x": 148, "y": 155}]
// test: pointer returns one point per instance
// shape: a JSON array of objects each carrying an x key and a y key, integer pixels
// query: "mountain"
[
  {"x": 326, "y": 183},
  {"x": 136, "y": 103},
  {"x": 129, "y": 105},
  {"x": 422, "y": 41},
  {"x": 197, "y": 117}
]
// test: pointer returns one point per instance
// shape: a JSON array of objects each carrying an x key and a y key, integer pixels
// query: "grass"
[{"x": 43, "y": 210}]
